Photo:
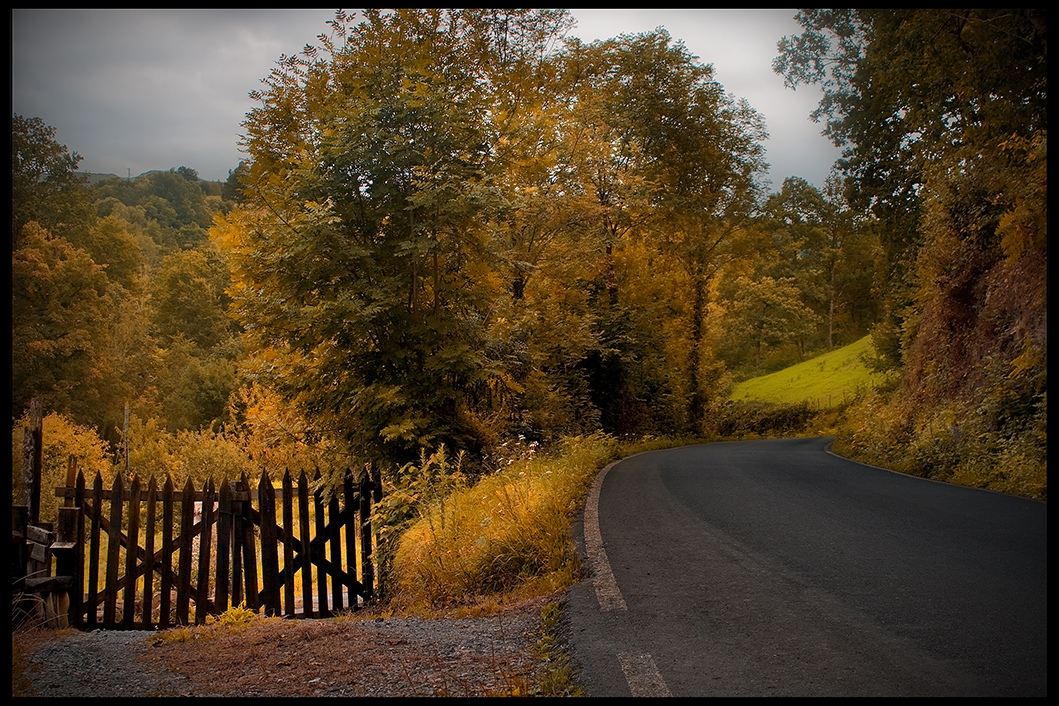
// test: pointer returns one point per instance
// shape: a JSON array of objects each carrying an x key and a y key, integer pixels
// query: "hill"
[{"x": 825, "y": 381}]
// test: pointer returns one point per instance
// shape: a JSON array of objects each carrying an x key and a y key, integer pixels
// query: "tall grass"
[{"x": 508, "y": 533}]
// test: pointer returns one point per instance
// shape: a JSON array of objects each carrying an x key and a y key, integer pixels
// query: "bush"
[{"x": 737, "y": 419}]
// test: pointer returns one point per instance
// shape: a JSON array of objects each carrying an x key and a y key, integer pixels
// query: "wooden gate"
[{"x": 313, "y": 555}]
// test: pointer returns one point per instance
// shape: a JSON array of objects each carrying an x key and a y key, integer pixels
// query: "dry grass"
[{"x": 508, "y": 533}]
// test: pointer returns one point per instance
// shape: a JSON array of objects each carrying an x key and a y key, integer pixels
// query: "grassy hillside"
[{"x": 825, "y": 381}]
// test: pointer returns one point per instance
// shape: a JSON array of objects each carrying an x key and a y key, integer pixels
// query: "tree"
[
  {"x": 829, "y": 250},
  {"x": 361, "y": 249},
  {"x": 232, "y": 190},
  {"x": 44, "y": 184},
  {"x": 767, "y": 312},
  {"x": 907, "y": 89},
  {"x": 189, "y": 300},
  {"x": 701, "y": 153},
  {"x": 60, "y": 310},
  {"x": 111, "y": 245}
]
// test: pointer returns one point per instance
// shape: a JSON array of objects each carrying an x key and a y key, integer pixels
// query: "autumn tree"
[
  {"x": 905, "y": 93},
  {"x": 361, "y": 249},
  {"x": 698, "y": 152},
  {"x": 61, "y": 301},
  {"x": 44, "y": 184}
]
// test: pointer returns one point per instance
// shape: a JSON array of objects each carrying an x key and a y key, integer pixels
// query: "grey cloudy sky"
[{"x": 136, "y": 90}]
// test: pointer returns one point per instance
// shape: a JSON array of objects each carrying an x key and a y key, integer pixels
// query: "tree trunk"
[{"x": 697, "y": 403}]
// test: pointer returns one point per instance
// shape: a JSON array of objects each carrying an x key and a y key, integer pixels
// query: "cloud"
[{"x": 155, "y": 89}]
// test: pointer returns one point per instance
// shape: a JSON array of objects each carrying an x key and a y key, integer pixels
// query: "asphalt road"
[{"x": 774, "y": 568}]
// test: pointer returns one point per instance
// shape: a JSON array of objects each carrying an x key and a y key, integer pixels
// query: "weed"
[
  {"x": 232, "y": 621},
  {"x": 556, "y": 677}
]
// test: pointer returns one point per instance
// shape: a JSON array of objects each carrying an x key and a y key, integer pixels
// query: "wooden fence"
[{"x": 150, "y": 557}]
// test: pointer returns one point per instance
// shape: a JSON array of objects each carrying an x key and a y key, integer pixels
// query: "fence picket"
[
  {"x": 93, "y": 565},
  {"x": 334, "y": 536},
  {"x": 187, "y": 521},
  {"x": 367, "y": 571},
  {"x": 110, "y": 592},
  {"x": 269, "y": 559},
  {"x": 205, "y": 536},
  {"x": 317, "y": 550},
  {"x": 304, "y": 553},
  {"x": 288, "y": 544},
  {"x": 224, "y": 543},
  {"x": 349, "y": 513},
  {"x": 249, "y": 552},
  {"x": 128, "y": 601},
  {"x": 148, "y": 545},
  {"x": 165, "y": 603}
]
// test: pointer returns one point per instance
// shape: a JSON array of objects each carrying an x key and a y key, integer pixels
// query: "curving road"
[{"x": 777, "y": 568}]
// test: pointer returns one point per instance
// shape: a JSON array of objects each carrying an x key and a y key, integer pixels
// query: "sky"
[{"x": 136, "y": 90}]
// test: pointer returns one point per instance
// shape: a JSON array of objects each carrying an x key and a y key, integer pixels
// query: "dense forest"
[{"x": 463, "y": 228}]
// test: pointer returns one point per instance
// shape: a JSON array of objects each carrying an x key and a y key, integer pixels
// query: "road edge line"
[{"x": 607, "y": 592}]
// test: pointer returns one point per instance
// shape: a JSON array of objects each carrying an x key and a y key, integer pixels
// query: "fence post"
[
  {"x": 32, "y": 449},
  {"x": 77, "y": 593},
  {"x": 65, "y": 598},
  {"x": 19, "y": 557}
]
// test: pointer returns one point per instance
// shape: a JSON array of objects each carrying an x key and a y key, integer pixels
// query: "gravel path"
[
  {"x": 99, "y": 663},
  {"x": 370, "y": 657}
]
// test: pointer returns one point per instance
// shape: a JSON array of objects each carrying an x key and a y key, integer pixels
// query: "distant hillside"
[
  {"x": 94, "y": 178},
  {"x": 824, "y": 381}
]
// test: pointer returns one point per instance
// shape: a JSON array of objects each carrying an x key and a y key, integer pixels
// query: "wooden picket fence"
[{"x": 288, "y": 550}]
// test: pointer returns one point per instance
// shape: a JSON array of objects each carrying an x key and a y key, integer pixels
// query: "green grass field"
[{"x": 824, "y": 382}]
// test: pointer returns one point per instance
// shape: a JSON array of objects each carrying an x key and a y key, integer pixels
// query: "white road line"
[
  {"x": 640, "y": 670},
  {"x": 643, "y": 675},
  {"x": 607, "y": 592}
]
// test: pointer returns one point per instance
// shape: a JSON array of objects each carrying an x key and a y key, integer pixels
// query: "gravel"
[
  {"x": 370, "y": 657},
  {"x": 98, "y": 663}
]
